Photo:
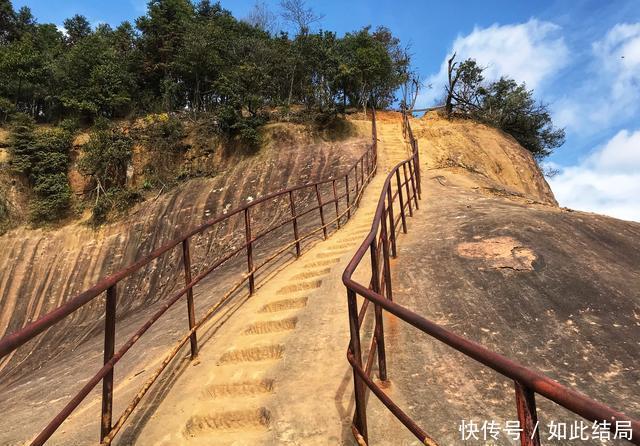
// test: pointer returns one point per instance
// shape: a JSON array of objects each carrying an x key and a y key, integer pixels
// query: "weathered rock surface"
[
  {"x": 41, "y": 269},
  {"x": 556, "y": 290},
  {"x": 489, "y": 255}
]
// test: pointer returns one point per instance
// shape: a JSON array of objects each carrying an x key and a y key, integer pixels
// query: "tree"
[
  {"x": 262, "y": 18},
  {"x": 163, "y": 30},
  {"x": 26, "y": 70},
  {"x": 77, "y": 28},
  {"x": 297, "y": 13},
  {"x": 369, "y": 71},
  {"x": 504, "y": 104},
  {"x": 511, "y": 107},
  {"x": 7, "y": 21},
  {"x": 465, "y": 86},
  {"x": 94, "y": 77}
]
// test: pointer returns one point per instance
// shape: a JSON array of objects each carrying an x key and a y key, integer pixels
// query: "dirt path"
[{"x": 276, "y": 373}]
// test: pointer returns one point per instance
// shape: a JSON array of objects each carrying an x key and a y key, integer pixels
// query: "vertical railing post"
[
  {"x": 366, "y": 154},
  {"x": 374, "y": 136},
  {"x": 418, "y": 169},
  {"x": 247, "y": 227},
  {"x": 186, "y": 259},
  {"x": 109, "y": 348},
  {"x": 324, "y": 227},
  {"x": 346, "y": 187},
  {"x": 392, "y": 222},
  {"x": 413, "y": 184},
  {"x": 358, "y": 384},
  {"x": 355, "y": 169},
  {"x": 386, "y": 266},
  {"x": 335, "y": 199},
  {"x": 406, "y": 183},
  {"x": 362, "y": 172},
  {"x": 379, "y": 328},
  {"x": 528, "y": 416},
  {"x": 404, "y": 124},
  {"x": 401, "y": 202},
  {"x": 292, "y": 204}
]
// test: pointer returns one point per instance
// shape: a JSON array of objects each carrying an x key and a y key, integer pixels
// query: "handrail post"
[
  {"x": 355, "y": 170},
  {"x": 386, "y": 266},
  {"x": 335, "y": 199},
  {"x": 392, "y": 222},
  {"x": 292, "y": 204},
  {"x": 186, "y": 258},
  {"x": 418, "y": 169},
  {"x": 358, "y": 384},
  {"x": 404, "y": 122},
  {"x": 379, "y": 328},
  {"x": 401, "y": 200},
  {"x": 109, "y": 348},
  {"x": 406, "y": 183},
  {"x": 374, "y": 136},
  {"x": 527, "y": 414},
  {"x": 362, "y": 172},
  {"x": 367, "y": 164},
  {"x": 346, "y": 186},
  {"x": 324, "y": 227},
  {"x": 247, "y": 227},
  {"x": 413, "y": 183}
]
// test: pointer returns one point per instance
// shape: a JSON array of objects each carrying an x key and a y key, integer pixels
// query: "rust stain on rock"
[{"x": 500, "y": 252}]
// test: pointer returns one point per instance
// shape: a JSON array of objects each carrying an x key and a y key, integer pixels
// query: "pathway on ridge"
[{"x": 276, "y": 373}]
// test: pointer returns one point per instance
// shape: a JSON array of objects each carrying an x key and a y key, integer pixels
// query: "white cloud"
[
  {"x": 611, "y": 91},
  {"x": 528, "y": 52},
  {"x": 606, "y": 182}
]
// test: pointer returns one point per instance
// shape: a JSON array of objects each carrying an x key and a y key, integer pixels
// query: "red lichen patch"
[{"x": 500, "y": 252}]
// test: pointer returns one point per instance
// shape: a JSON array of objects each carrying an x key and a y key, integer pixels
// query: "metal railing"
[
  {"x": 381, "y": 244},
  {"x": 354, "y": 182}
]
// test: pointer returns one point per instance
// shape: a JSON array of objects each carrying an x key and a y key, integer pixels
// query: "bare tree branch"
[
  {"x": 297, "y": 13},
  {"x": 261, "y": 17}
]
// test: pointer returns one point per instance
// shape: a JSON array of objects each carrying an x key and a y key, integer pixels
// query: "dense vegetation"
[
  {"x": 504, "y": 104},
  {"x": 42, "y": 157},
  {"x": 181, "y": 57}
]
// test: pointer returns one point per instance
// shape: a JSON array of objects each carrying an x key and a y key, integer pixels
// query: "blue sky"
[{"x": 580, "y": 56}]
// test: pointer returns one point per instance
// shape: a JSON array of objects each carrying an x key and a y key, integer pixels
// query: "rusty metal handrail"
[
  {"x": 367, "y": 167},
  {"x": 527, "y": 382}
]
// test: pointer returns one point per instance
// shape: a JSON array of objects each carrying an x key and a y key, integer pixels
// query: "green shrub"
[
  {"x": 247, "y": 129},
  {"x": 116, "y": 201},
  {"x": 43, "y": 157},
  {"x": 52, "y": 198},
  {"x": 163, "y": 137},
  {"x": 22, "y": 143},
  {"x": 107, "y": 155},
  {"x": 7, "y": 108}
]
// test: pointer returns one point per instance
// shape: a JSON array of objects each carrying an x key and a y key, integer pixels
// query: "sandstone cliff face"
[
  {"x": 41, "y": 269},
  {"x": 490, "y": 159}
]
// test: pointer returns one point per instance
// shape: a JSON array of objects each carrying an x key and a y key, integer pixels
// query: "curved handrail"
[
  {"x": 527, "y": 381},
  {"x": 366, "y": 165}
]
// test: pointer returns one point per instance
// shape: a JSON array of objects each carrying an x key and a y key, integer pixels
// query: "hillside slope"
[
  {"x": 40, "y": 269},
  {"x": 488, "y": 158},
  {"x": 491, "y": 257}
]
